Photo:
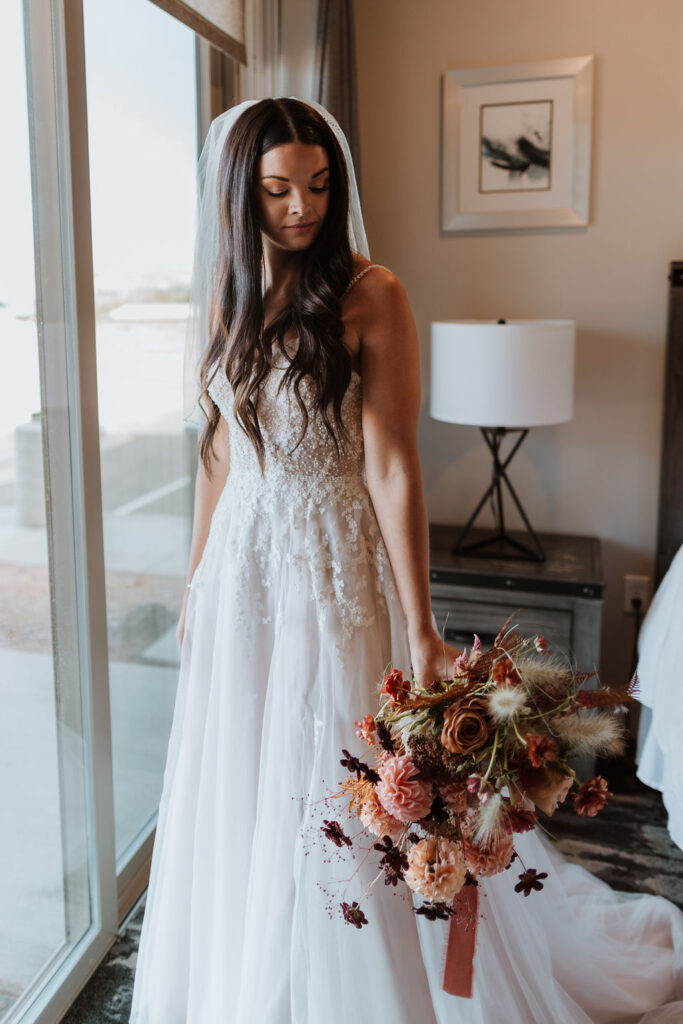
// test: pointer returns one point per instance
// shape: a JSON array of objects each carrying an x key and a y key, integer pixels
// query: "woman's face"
[{"x": 293, "y": 189}]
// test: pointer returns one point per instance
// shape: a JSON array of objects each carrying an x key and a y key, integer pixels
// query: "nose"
[{"x": 298, "y": 201}]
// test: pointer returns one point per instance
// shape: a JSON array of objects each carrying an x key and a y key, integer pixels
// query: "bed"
[{"x": 659, "y": 750}]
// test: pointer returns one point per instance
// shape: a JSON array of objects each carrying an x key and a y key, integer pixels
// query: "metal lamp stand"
[{"x": 494, "y": 437}]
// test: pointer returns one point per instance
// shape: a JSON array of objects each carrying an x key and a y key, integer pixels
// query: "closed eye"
[{"x": 276, "y": 195}]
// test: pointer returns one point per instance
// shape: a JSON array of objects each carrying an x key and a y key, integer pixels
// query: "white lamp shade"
[{"x": 516, "y": 374}]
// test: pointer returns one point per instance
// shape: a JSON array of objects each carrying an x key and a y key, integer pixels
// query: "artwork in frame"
[{"x": 516, "y": 145}]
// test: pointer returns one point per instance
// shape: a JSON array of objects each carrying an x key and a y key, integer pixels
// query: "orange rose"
[{"x": 465, "y": 726}]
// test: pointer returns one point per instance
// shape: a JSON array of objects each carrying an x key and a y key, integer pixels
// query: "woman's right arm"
[{"x": 206, "y": 494}]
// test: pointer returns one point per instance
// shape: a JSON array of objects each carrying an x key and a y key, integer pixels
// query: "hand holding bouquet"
[{"x": 463, "y": 765}]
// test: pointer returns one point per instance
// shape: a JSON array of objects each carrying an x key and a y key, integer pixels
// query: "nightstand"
[{"x": 560, "y": 598}]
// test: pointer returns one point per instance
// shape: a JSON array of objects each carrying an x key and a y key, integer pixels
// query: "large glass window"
[
  {"x": 45, "y": 893},
  {"x": 141, "y": 89}
]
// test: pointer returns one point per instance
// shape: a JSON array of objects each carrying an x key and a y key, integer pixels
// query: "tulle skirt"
[{"x": 242, "y": 922}]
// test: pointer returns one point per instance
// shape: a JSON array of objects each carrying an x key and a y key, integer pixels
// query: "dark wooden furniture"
[{"x": 560, "y": 598}]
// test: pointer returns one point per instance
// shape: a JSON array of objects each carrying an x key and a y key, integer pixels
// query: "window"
[{"x": 142, "y": 131}]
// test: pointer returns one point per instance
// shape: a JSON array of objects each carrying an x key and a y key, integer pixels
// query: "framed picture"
[{"x": 516, "y": 145}]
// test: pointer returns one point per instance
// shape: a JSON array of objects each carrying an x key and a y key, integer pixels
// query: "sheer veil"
[{"x": 206, "y": 243}]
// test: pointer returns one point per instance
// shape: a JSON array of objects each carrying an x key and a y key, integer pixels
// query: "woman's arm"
[
  {"x": 390, "y": 363},
  {"x": 206, "y": 494}
]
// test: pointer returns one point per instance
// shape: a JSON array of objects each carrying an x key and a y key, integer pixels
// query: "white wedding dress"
[{"x": 292, "y": 618}]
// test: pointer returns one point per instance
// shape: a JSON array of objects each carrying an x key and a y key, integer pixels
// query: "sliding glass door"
[
  {"x": 97, "y": 202},
  {"x": 56, "y": 909},
  {"x": 142, "y": 140}
]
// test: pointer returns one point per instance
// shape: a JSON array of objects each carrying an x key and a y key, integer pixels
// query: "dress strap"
[{"x": 360, "y": 274}]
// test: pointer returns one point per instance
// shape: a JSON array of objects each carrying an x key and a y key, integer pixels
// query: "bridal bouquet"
[{"x": 462, "y": 766}]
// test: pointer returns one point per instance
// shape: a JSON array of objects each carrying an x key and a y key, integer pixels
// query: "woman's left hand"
[{"x": 432, "y": 658}]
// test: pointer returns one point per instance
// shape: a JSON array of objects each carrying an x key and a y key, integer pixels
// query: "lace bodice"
[
  {"x": 297, "y": 478},
  {"x": 310, "y": 509}
]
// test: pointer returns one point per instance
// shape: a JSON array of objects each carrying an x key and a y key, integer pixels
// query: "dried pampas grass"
[
  {"x": 506, "y": 702},
  {"x": 488, "y": 823},
  {"x": 591, "y": 733},
  {"x": 538, "y": 674}
]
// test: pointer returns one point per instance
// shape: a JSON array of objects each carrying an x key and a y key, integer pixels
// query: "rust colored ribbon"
[{"x": 458, "y": 971}]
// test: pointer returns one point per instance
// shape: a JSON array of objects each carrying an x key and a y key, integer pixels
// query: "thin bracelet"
[{"x": 188, "y": 586}]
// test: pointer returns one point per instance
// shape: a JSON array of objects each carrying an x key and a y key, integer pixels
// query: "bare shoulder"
[
  {"x": 377, "y": 296},
  {"x": 385, "y": 339}
]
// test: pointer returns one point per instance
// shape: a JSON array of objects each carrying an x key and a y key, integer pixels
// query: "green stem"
[
  {"x": 520, "y": 738},
  {"x": 493, "y": 755}
]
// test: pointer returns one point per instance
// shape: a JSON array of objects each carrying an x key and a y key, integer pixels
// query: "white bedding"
[{"x": 659, "y": 752}]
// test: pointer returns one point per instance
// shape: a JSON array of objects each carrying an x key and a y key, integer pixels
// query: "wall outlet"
[{"x": 636, "y": 587}]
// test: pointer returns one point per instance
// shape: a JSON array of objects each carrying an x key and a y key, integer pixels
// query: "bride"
[{"x": 308, "y": 576}]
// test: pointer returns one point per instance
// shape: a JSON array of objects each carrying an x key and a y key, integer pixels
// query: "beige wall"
[{"x": 599, "y": 473}]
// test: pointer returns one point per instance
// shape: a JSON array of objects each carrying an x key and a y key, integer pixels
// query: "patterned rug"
[{"x": 627, "y": 845}]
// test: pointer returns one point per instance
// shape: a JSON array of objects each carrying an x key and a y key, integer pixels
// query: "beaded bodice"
[
  {"x": 310, "y": 508},
  {"x": 301, "y": 476}
]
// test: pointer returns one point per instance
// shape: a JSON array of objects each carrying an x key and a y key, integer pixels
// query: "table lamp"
[{"x": 504, "y": 377}]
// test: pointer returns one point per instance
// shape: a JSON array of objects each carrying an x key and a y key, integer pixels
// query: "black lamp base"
[{"x": 500, "y": 542}]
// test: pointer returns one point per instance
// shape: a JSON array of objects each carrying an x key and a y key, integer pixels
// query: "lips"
[{"x": 299, "y": 227}]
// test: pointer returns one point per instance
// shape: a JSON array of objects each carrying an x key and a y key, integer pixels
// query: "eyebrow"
[{"x": 279, "y": 178}]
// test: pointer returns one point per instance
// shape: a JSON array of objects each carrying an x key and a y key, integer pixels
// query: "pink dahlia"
[
  {"x": 436, "y": 869},
  {"x": 376, "y": 819},
  {"x": 490, "y": 858},
  {"x": 403, "y": 795},
  {"x": 591, "y": 796}
]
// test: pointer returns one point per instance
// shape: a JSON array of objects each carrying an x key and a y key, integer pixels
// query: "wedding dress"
[{"x": 293, "y": 616}]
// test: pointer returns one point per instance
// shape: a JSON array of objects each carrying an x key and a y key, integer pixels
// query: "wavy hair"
[{"x": 240, "y": 344}]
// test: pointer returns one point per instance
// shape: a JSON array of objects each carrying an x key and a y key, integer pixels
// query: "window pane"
[
  {"x": 44, "y": 855},
  {"x": 140, "y": 66}
]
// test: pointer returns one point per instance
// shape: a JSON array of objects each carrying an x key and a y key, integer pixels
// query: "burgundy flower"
[
  {"x": 334, "y": 831},
  {"x": 435, "y": 911},
  {"x": 531, "y": 879},
  {"x": 353, "y": 914},
  {"x": 584, "y": 698},
  {"x": 394, "y": 861},
  {"x": 541, "y": 644},
  {"x": 353, "y": 764},
  {"x": 384, "y": 737},
  {"x": 521, "y": 820},
  {"x": 591, "y": 796}
]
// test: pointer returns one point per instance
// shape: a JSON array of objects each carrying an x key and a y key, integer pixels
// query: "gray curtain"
[{"x": 335, "y": 69}]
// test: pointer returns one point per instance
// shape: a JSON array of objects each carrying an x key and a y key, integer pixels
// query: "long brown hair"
[{"x": 237, "y": 311}]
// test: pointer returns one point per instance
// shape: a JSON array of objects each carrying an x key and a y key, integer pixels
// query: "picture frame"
[{"x": 516, "y": 145}]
